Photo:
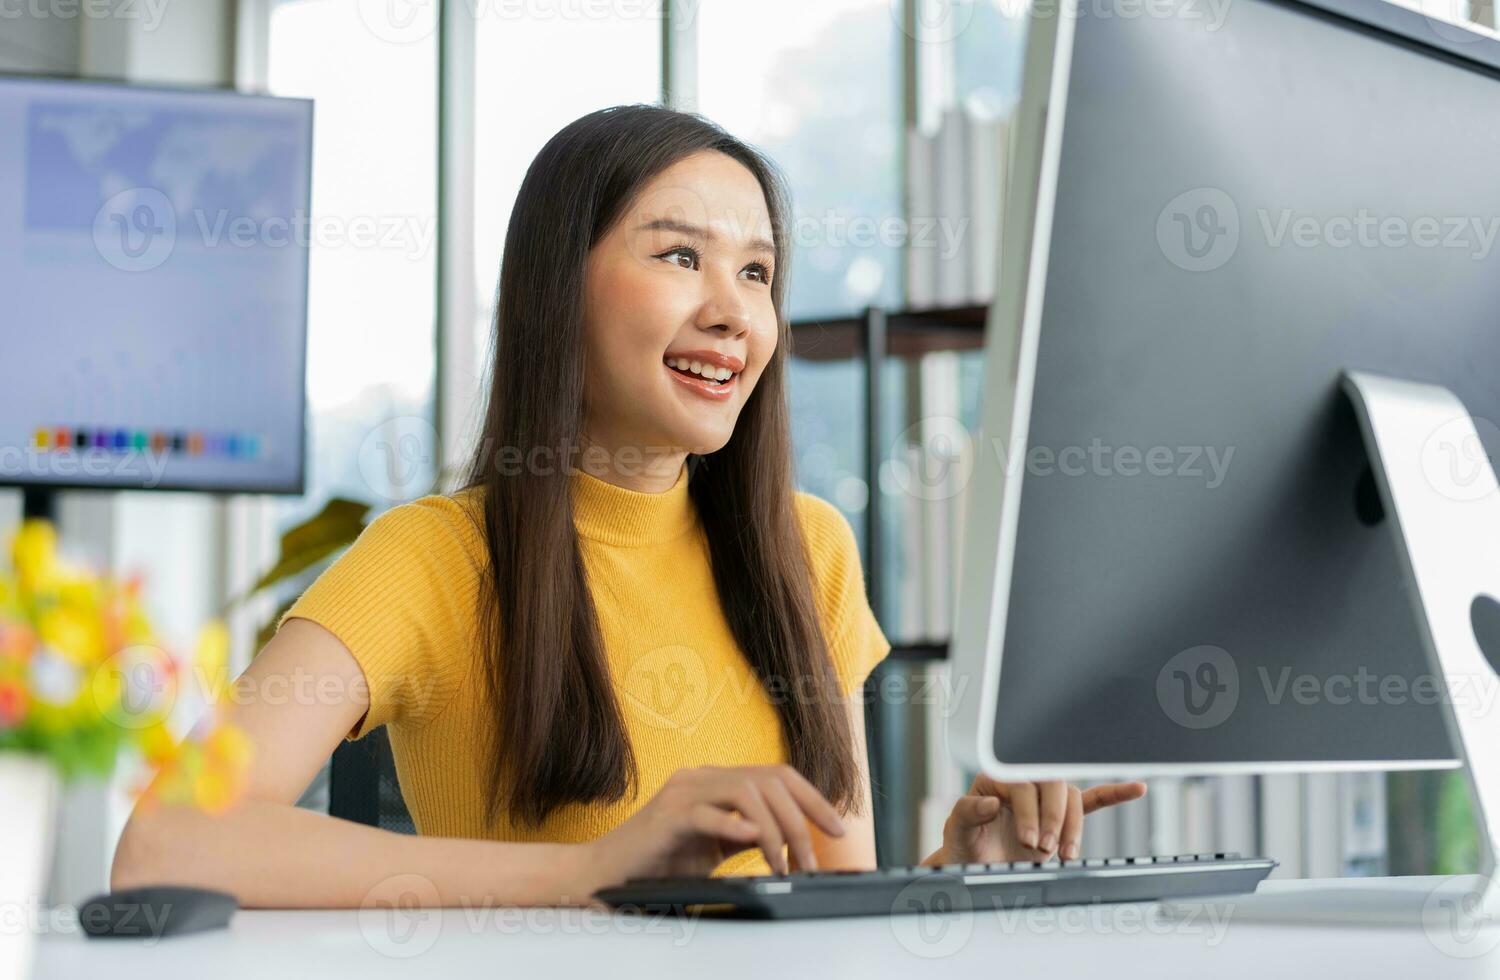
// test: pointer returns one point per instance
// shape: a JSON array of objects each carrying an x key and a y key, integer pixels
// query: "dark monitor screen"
[{"x": 1243, "y": 210}]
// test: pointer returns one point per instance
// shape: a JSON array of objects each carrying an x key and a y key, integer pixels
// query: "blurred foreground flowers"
[{"x": 83, "y": 677}]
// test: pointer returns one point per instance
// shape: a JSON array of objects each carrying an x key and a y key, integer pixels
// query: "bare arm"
[
  {"x": 272, "y": 854},
  {"x": 855, "y": 850}
]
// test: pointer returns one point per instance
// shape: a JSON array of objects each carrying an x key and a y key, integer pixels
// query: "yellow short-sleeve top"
[{"x": 404, "y": 599}]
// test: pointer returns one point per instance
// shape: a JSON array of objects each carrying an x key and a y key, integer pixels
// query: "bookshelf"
[{"x": 871, "y": 337}]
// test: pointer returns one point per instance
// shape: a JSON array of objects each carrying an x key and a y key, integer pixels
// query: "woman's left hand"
[{"x": 998, "y": 821}]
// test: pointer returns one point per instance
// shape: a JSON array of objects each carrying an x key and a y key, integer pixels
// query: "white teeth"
[{"x": 700, "y": 369}]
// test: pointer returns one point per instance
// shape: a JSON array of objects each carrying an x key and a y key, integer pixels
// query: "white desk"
[{"x": 1115, "y": 941}]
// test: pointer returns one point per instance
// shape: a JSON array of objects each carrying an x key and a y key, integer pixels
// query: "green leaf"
[{"x": 330, "y": 530}]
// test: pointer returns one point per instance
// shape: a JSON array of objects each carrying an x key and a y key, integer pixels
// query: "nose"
[{"x": 724, "y": 309}]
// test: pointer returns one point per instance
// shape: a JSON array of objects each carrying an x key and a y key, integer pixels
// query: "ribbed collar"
[{"x": 614, "y": 515}]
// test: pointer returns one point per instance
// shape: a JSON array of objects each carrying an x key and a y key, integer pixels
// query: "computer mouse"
[{"x": 154, "y": 911}]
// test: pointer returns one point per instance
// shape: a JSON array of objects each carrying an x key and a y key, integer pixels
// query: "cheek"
[{"x": 629, "y": 322}]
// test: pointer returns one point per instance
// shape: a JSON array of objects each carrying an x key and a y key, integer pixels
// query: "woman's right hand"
[{"x": 702, "y": 816}]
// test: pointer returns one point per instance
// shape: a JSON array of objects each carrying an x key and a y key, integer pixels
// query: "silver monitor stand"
[{"x": 1442, "y": 501}]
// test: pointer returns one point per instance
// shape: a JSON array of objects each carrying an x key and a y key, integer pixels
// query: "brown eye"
[{"x": 681, "y": 251}]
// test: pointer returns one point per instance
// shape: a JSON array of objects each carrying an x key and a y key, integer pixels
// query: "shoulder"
[
  {"x": 827, "y": 532},
  {"x": 439, "y": 526},
  {"x": 856, "y": 642},
  {"x": 832, "y": 551}
]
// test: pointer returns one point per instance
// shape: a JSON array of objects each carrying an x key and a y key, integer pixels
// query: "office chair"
[{"x": 362, "y": 784}]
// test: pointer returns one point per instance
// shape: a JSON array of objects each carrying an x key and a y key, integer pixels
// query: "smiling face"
[{"x": 678, "y": 317}]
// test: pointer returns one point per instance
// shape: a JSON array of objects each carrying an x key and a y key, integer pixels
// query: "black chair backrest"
[{"x": 362, "y": 784}]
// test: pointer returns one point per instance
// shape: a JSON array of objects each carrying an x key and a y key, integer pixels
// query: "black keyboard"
[{"x": 952, "y": 887}]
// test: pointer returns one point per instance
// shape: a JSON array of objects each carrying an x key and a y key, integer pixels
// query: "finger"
[
  {"x": 1072, "y": 831},
  {"x": 975, "y": 811},
  {"x": 710, "y": 821},
  {"x": 1111, "y": 794},
  {"x": 793, "y": 822},
  {"x": 745, "y": 797},
  {"x": 1053, "y": 799},
  {"x": 1024, "y": 805},
  {"x": 811, "y": 802},
  {"x": 986, "y": 786}
]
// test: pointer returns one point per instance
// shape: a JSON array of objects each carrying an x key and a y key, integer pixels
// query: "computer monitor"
[
  {"x": 1176, "y": 561},
  {"x": 155, "y": 248}
]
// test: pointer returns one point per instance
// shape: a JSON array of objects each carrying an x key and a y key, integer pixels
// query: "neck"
[{"x": 631, "y": 467}]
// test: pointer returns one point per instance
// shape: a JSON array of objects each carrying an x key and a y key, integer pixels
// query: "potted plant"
[{"x": 83, "y": 680}]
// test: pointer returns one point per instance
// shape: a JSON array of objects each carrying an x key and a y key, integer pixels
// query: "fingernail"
[
  {"x": 1029, "y": 838},
  {"x": 1070, "y": 852},
  {"x": 989, "y": 803},
  {"x": 1049, "y": 842}
]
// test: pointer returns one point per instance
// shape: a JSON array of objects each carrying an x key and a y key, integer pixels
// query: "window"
[
  {"x": 373, "y": 249},
  {"x": 817, "y": 87},
  {"x": 533, "y": 76}
]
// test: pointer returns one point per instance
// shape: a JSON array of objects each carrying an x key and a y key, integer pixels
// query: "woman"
[{"x": 626, "y": 647}]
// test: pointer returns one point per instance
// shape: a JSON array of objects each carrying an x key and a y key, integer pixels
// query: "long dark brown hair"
[{"x": 559, "y": 737}]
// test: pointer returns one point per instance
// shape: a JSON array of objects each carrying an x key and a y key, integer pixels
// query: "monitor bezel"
[
  {"x": 296, "y": 487},
  {"x": 1013, "y": 330}
]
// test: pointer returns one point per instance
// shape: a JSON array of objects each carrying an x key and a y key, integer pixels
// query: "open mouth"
[{"x": 710, "y": 374}]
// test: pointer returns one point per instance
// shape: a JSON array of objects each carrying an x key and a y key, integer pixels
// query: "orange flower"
[{"x": 12, "y": 703}]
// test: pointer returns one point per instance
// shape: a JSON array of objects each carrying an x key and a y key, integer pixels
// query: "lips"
[
  {"x": 718, "y": 359},
  {"x": 709, "y": 373},
  {"x": 714, "y": 391}
]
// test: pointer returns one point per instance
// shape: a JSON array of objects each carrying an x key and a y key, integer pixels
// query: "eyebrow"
[{"x": 682, "y": 228}]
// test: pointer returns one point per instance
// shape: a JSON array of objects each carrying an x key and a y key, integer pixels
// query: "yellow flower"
[
  {"x": 73, "y": 632},
  {"x": 213, "y": 657},
  {"x": 34, "y": 553}
]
